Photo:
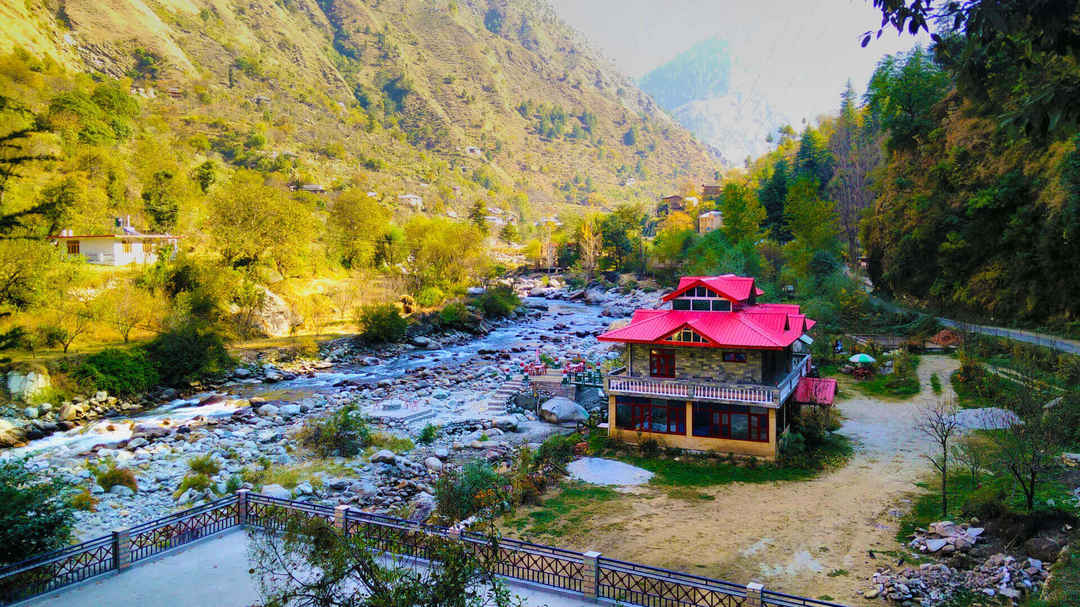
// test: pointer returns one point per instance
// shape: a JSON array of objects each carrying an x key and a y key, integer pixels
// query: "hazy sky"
[{"x": 799, "y": 53}]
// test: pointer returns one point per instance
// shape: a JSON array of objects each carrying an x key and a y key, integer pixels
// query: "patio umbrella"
[{"x": 862, "y": 359}]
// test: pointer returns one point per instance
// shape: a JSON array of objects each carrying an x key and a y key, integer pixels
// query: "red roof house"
[{"x": 714, "y": 370}]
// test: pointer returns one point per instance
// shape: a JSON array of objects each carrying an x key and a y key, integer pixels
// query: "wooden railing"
[{"x": 753, "y": 394}]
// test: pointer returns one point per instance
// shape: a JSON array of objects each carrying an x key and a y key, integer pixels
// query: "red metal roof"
[
  {"x": 815, "y": 391},
  {"x": 762, "y": 326},
  {"x": 735, "y": 288}
]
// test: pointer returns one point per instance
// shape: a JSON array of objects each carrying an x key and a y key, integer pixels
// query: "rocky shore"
[{"x": 250, "y": 419}]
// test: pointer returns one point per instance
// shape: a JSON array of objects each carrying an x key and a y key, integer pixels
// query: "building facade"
[
  {"x": 715, "y": 370},
  {"x": 118, "y": 249},
  {"x": 709, "y": 221}
]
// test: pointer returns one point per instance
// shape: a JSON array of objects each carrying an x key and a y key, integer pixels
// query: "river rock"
[
  {"x": 268, "y": 410},
  {"x": 68, "y": 412},
  {"x": 24, "y": 385},
  {"x": 136, "y": 442},
  {"x": 274, "y": 317},
  {"x": 385, "y": 456},
  {"x": 121, "y": 491},
  {"x": 211, "y": 400},
  {"x": 10, "y": 435},
  {"x": 276, "y": 491},
  {"x": 420, "y": 341},
  {"x": 290, "y": 410},
  {"x": 149, "y": 431},
  {"x": 560, "y": 409},
  {"x": 31, "y": 412},
  {"x": 241, "y": 372},
  {"x": 304, "y": 488},
  {"x": 433, "y": 464}
]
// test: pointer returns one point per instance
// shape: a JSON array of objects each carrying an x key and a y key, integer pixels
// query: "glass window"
[
  {"x": 623, "y": 416},
  {"x": 740, "y": 426},
  {"x": 662, "y": 363},
  {"x": 734, "y": 357},
  {"x": 700, "y": 305},
  {"x": 680, "y": 304},
  {"x": 73, "y": 247},
  {"x": 659, "y": 421},
  {"x": 721, "y": 305},
  {"x": 650, "y": 415},
  {"x": 717, "y": 420}
]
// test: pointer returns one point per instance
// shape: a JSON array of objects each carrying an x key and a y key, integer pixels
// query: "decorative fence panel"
[{"x": 620, "y": 581}]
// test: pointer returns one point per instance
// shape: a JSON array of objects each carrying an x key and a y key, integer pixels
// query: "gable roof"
[
  {"x": 748, "y": 328},
  {"x": 730, "y": 286}
]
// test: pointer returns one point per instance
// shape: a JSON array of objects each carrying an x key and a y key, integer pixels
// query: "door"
[{"x": 662, "y": 363}]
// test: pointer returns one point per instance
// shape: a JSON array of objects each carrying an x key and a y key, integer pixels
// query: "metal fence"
[{"x": 587, "y": 574}]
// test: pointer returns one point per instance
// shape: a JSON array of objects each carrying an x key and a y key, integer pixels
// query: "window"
[
  {"x": 126, "y": 246},
  {"x": 736, "y": 422},
  {"x": 680, "y": 304},
  {"x": 662, "y": 363},
  {"x": 650, "y": 415},
  {"x": 73, "y": 247},
  {"x": 700, "y": 305},
  {"x": 734, "y": 357},
  {"x": 721, "y": 305},
  {"x": 686, "y": 336}
]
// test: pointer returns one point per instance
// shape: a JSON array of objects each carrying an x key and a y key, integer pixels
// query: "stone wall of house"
[{"x": 702, "y": 363}]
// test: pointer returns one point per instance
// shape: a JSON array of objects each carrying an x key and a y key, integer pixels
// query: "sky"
[{"x": 799, "y": 53}]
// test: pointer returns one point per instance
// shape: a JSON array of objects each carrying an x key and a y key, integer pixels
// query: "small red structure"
[{"x": 815, "y": 391}]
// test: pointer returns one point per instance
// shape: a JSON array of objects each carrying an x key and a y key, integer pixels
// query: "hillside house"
[
  {"x": 669, "y": 204},
  {"x": 715, "y": 370},
  {"x": 711, "y": 191},
  {"x": 118, "y": 249},
  {"x": 311, "y": 188},
  {"x": 709, "y": 221},
  {"x": 412, "y": 201}
]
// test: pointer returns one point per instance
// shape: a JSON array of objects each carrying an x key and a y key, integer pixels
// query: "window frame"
[
  {"x": 733, "y": 357},
  {"x": 73, "y": 247},
  {"x": 662, "y": 354},
  {"x": 642, "y": 411},
  {"x": 720, "y": 419}
]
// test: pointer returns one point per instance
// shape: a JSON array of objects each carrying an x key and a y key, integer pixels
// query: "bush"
[
  {"x": 343, "y": 433},
  {"x": 188, "y": 354},
  {"x": 84, "y": 500},
  {"x": 650, "y": 447},
  {"x": 428, "y": 434},
  {"x": 558, "y": 448},
  {"x": 381, "y": 323},
  {"x": 935, "y": 383},
  {"x": 476, "y": 487},
  {"x": 499, "y": 302},
  {"x": 197, "y": 481},
  {"x": 455, "y": 316},
  {"x": 204, "y": 464},
  {"x": 430, "y": 297},
  {"x": 35, "y": 515},
  {"x": 117, "y": 371},
  {"x": 397, "y": 444},
  {"x": 111, "y": 475}
]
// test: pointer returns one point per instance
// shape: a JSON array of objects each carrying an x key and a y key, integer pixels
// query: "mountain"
[
  {"x": 459, "y": 96},
  {"x": 710, "y": 93}
]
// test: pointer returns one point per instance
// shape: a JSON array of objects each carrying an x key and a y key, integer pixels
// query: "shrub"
[
  {"x": 428, "y": 434},
  {"x": 35, "y": 515},
  {"x": 111, "y": 475},
  {"x": 430, "y": 297},
  {"x": 558, "y": 448},
  {"x": 381, "y": 323},
  {"x": 935, "y": 383},
  {"x": 84, "y": 500},
  {"x": 476, "y": 487},
  {"x": 234, "y": 483},
  {"x": 204, "y": 464},
  {"x": 343, "y": 433},
  {"x": 650, "y": 447},
  {"x": 397, "y": 444},
  {"x": 197, "y": 481},
  {"x": 455, "y": 316},
  {"x": 499, "y": 302},
  {"x": 117, "y": 371},
  {"x": 187, "y": 354}
]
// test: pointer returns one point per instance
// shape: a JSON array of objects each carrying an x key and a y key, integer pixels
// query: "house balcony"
[{"x": 758, "y": 395}]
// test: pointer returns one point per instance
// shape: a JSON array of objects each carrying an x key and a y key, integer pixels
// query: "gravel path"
[{"x": 788, "y": 535}]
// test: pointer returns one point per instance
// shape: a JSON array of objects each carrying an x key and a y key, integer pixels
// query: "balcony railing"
[{"x": 752, "y": 394}]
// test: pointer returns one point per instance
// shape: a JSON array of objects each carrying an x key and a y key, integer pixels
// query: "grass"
[
  {"x": 889, "y": 386},
  {"x": 194, "y": 480},
  {"x": 563, "y": 513},
  {"x": 383, "y": 440},
  {"x": 291, "y": 476},
  {"x": 204, "y": 464},
  {"x": 1063, "y": 588},
  {"x": 111, "y": 476},
  {"x": 935, "y": 383},
  {"x": 694, "y": 472}
]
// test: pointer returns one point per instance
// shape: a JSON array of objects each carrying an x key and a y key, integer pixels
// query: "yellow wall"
[{"x": 697, "y": 443}]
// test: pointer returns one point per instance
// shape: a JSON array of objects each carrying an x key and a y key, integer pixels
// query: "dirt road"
[{"x": 789, "y": 535}]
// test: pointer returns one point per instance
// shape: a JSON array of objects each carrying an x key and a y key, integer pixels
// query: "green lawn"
[{"x": 559, "y": 515}]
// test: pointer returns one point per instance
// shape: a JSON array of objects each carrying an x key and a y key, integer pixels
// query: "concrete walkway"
[{"x": 211, "y": 572}]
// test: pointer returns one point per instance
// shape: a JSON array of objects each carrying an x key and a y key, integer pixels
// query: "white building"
[
  {"x": 118, "y": 249},
  {"x": 412, "y": 200},
  {"x": 709, "y": 221}
]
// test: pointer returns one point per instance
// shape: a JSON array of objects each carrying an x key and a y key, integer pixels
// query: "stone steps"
[{"x": 497, "y": 403}]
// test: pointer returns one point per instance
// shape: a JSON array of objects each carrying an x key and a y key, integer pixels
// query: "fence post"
[
  {"x": 590, "y": 573},
  {"x": 121, "y": 544},
  {"x": 242, "y": 507},
  {"x": 339, "y": 518},
  {"x": 753, "y": 594}
]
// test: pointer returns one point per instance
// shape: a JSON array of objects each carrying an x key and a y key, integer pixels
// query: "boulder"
[
  {"x": 274, "y": 318},
  {"x": 135, "y": 443},
  {"x": 276, "y": 491},
  {"x": 560, "y": 410},
  {"x": 241, "y": 372},
  {"x": 24, "y": 385},
  {"x": 290, "y": 410},
  {"x": 10, "y": 435},
  {"x": 149, "y": 431},
  {"x": 121, "y": 491},
  {"x": 31, "y": 412},
  {"x": 420, "y": 342},
  {"x": 68, "y": 412},
  {"x": 423, "y": 507},
  {"x": 1043, "y": 548},
  {"x": 304, "y": 488},
  {"x": 211, "y": 400},
  {"x": 384, "y": 456},
  {"x": 433, "y": 464},
  {"x": 267, "y": 410}
]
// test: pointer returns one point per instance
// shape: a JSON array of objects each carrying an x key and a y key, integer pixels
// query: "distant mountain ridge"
[{"x": 710, "y": 93}]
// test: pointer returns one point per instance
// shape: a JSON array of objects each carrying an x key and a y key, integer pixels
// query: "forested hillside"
[{"x": 277, "y": 138}]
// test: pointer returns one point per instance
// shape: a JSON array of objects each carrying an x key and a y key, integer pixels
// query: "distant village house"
[
  {"x": 709, "y": 221},
  {"x": 670, "y": 204},
  {"x": 412, "y": 201},
  {"x": 711, "y": 191}
]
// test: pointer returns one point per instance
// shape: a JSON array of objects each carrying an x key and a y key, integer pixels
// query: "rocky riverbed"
[{"x": 249, "y": 421}]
